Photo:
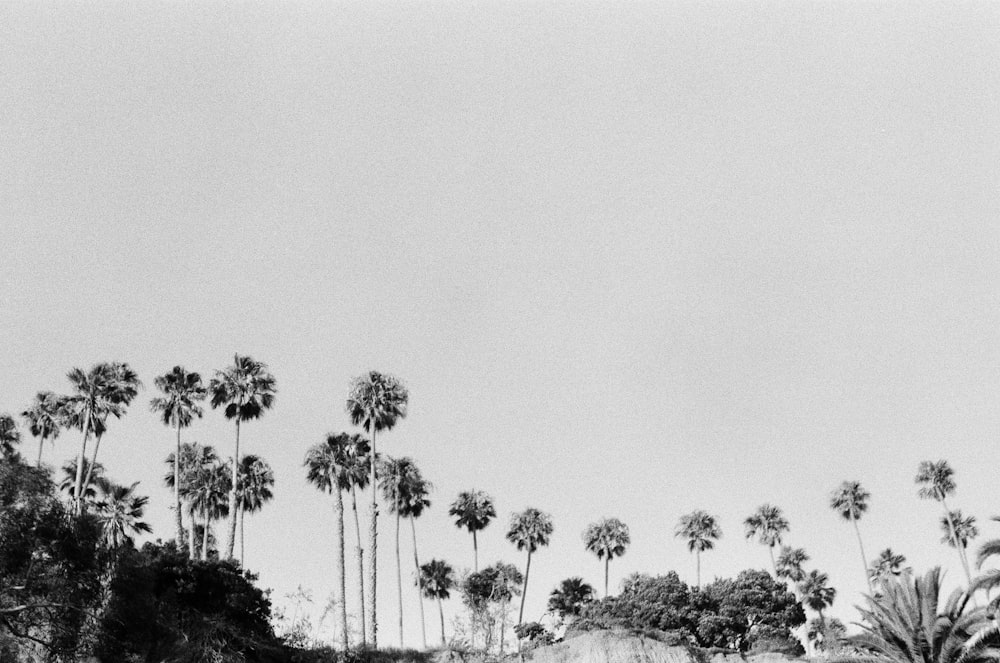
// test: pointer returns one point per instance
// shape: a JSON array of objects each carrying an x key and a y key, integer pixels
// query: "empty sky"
[{"x": 630, "y": 259}]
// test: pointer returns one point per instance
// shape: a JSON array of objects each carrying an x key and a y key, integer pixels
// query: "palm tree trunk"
[
  {"x": 774, "y": 566},
  {"x": 177, "y": 487},
  {"x": 957, "y": 544},
  {"x": 204, "y": 539},
  {"x": 41, "y": 443},
  {"x": 78, "y": 484},
  {"x": 93, "y": 461},
  {"x": 361, "y": 566},
  {"x": 697, "y": 558},
  {"x": 399, "y": 582},
  {"x": 441, "y": 613},
  {"x": 231, "y": 537},
  {"x": 373, "y": 547},
  {"x": 191, "y": 542},
  {"x": 864, "y": 561},
  {"x": 420, "y": 581},
  {"x": 242, "y": 556},
  {"x": 607, "y": 560},
  {"x": 503, "y": 623},
  {"x": 475, "y": 552},
  {"x": 341, "y": 568},
  {"x": 527, "y": 570}
]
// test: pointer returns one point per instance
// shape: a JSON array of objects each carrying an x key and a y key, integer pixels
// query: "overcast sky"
[{"x": 630, "y": 259}]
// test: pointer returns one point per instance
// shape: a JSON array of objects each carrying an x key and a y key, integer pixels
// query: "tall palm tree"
[
  {"x": 569, "y": 597},
  {"x": 247, "y": 390},
  {"x": 121, "y": 386},
  {"x": 10, "y": 436},
  {"x": 768, "y": 524},
  {"x": 473, "y": 510},
  {"x": 195, "y": 459},
  {"x": 119, "y": 511},
  {"x": 178, "y": 406},
  {"x": 68, "y": 482},
  {"x": 850, "y": 500},
  {"x": 418, "y": 492},
  {"x": 437, "y": 578},
  {"x": 529, "y": 530},
  {"x": 376, "y": 401},
  {"x": 817, "y": 593},
  {"x": 886, "y": 566},
  {"x": 607, "y": 538},
  {"x": 937, "y": 482},
  {"x": 45, "y": 418},
  {"x": 701, "y": 531},
  {"x": 358, "y": 470},
  {"x": 963, "y": 527},
  {"x": 208, "y": 491},
  {"x": 789, "y": 565},
  {"x": 253, "y": 490},
  {"x": 326, "y": 466}
]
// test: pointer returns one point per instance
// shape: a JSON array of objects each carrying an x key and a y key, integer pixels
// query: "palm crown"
[
  {"x": 254, "y": 483},
  {"x": 530, "y": 529},
  {"x": 327, "y": 463},
  {"x": 46, "y": 417},
  {"x": 473, "y": 510},
  {"x": 767, "y": 523},
  {"x": 437, "y": 579},
  {"x": 700, "y": 529},
  {"x": 246, "y": 389},
  {"x": 936, "y": 480},
  {"x": 965, "y": 529},
  {"x": 607, "y": 538},
  {"x": 850, "y": 500},
  {"x": 119, "y": 511},
  {"x": 789, "y": 564},
  {"x": 377, "y": 400},
  {"x": 182, "y": 391}
]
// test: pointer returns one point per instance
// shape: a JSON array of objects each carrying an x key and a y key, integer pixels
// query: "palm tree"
[
  {"x": 10, "y": 437},
  {"x": 701, "y": 531},
  {"x": 789, "y": 566},
  {"x": 437, "y": 578},
  {"x": 119, "y": 511},
  {"x": 418, "y": 491},
  {"x": 817, "y": 594},
  {"x": 376, "y": 401},
  {"x": 86, "y": 410},
  {"x": 178, "y": 407},
  {"x": 358, "y": 470},
  {"x": 473, "y": 510},
  {"x": 887, "y": 565},
  {"x": 850, "y": 500},
  {"x": 937, "y": 482},
  {"x": 964, "y": 528},
  {"x": 68, "y": 482},
  {"x": 195, "y": 459},
  {"x": 529, "y": 530},
  {"x": 607, "y": 538},
  {"x": 569, "y": 597},
  {"x": 768, "y": 524},
  {"x": 208, "y": 490},
  {"x": 253, "y": 490},
  {"x": 121, "y": 385},
  {"x": 247, "y": 390},
  {"x": 45, "y": 418},
  {"x": 326, "y": 465}
]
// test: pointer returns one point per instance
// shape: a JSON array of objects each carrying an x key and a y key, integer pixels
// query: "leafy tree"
[
  {"x": 850, "y": 500},
  {"x": 178, "y": 406},
  {"x": 253, "y": 490},
  {"x": 246, "y": 390},
  {"x": 737, "y": 613},
  {"x": 376, "y": 401},
  {"x": 937, "y": 482},
  {"x": 437, "y": 579},
  {"x": 473, "y": 510},
  {"x": 701, "y": 531},
  {"x": 45, "y": 418},
  {"x": 569, "y": 598},
  {"x": 886, "y": 566},
  {"x": 768, "y": 524},
  {"x": 645, "y": 602},
  {"x": 493, "y": 587},
  {"x": 607, "y": 538},
  {"x": 529, "y": 530}
]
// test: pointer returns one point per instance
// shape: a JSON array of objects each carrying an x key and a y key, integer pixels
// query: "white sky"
[{"x": 631, "y": 259}]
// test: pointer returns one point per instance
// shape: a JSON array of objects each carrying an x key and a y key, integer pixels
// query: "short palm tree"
[
  {"x": 195, "y": 459},
  {"x": 45, "y": 418},
  {"x": 10, "y": 436},
  {"x": 937, "y": 482},
  {"x": 418, "y": 498},
  {"x": 437, "y": 579},
  {"x": 376, "y": 401},
  {"x": 473, "y": 510},
  {"x": 208, "y": 491},
  {"x": 246, "y": 390},
  {"x": 326, "y": 464},
  {"x": 850, "y": 500},
  {"x": 768, "y": 525},
  {"x": 529, "y": 530},
  {"x": 886, "y": 566},
  {"x": 789, "y": 565},
  {"x": 253, "y": 490},
  {"x": 569, "y": 597},
  {"x": 701, "y": 530},
  {"x": 607, "y": 538},
  {"x": 816, "y": 593},
  {"x": 358, "y": 471},
  {"x": 68, "y": 482},
  {"x": 119, "y": 511},
  {"x": 178, "y": 406}
]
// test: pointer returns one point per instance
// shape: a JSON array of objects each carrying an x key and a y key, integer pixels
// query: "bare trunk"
[
  {"x": 527, "y": 570},
  {"x": 399, "y": 582},
  {"x": 957, "y": 544},
  {"x": 361, "y": 566},
  {"x": 341, "y": 569},
  {"x": 177, "y": 488},
  {"x": 243, "y": 562},
  {"x": 373, "y": 549},
  {"x": 93, "y": 461},
  {"x": 41, "y": 443},
  {"x": 204, "y": 538},
  {"x": 774, "y": 566},
  {"x": 697, "y": 557},
  {"x": 78, "y": 484},
  {"x": 231, "y": 537},
  {"x": 441, "y": 613},
  {"x": 607, "y": 561},
  {"x": 420, "y": 581},
  {"x": 475, "y": 552},
  {"x": 503, "y": 623},
  {"x": 864, "y": 561},
  {"x": 192, "y": 547}
]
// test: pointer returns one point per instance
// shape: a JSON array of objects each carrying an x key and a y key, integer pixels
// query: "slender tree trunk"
[
  {"x": 475, "y": 552},
  {"x": 373, "y": 548},
  {"x": 177, "y": 488},
  {"x": 243, "y": 563},
  {"x": 774, "y": 566},
  {"x": 41, "y": 443},
  {"x": 93, "y": 461},
  {"x": 441, "y": 613},
  {"x": 607, "y": 560},
  {"x": 192, "y": 547},
  {"x": 503, "y": 623},
  {"x": 78, "y": 484},
  {"x": 399, "y": 582},
  {"x": 527, "y": 570},
  {"x": 341, "y": 569},
  {"x": 361, "y": 566},
  {"x": 697, "y": 558},
  {"x": 231, "y": 537},
  {"x": 420, "y": 581},
  {"x": 864, "y": 560},
  {"x": 204, "y": 539},
  {"x": 957, "y": 544}
]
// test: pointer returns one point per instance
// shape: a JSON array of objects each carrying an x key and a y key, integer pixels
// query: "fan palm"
[
  {"x": 10, "y": 436},
  {"x": 68, "y": 482},
  {"x": 358, "y": 470},
  {"x": 529, "y": 530},
  {"x": 208, "y": 490},
  {"x": 607, "y": 538},
  {"x": 789, "y": 565},
  {"x": 178, "y": 406},
  {"x": 963, "y": 527},
  {"x": 45, "y": 418},
  {"x": 473, "y": 510},
  {"x": 376, "y": 401},
  {"x": 569, "y": 597},
  {"x": 253, "y": 490},
  {"x": 850, "y": 500},
  {"x": 768, "y": 524},
  {"x": 937, "y": 482},
  {"x": 437, "y": 578},
  {"x": 246, "y": 390},
  {"x": 119, "y": 511},
  {"x": 326, "y": 465},
  {"x": 195, "y": 459},
  {"x": 887, "y": 565},
  {"x": 418, "y": 499},
  {"x": 701, "y": 531},
  {"x": 816, "y": 593}
]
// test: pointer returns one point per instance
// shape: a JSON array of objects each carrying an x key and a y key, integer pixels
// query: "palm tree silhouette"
[
  {"x": 253, "y": 490},
  {"x": 437, "y": 578},
  {"x": 569, "y": 597},
  {"x": 418, "y": 491},
  {"x": 886, "y": 566},
  {"x": 473, "y": 510},
  {"x": 376, "y": 401},
  {"x": 937, "y": 482},
  {"x": 247, "y": 390},
  {"x": 119, "y": 511},
  {"x": 194, "y": 459},
  {"x": 850, "y": 500},
  {"x": 817, "y": 594},
  {"x": 701, "y": 531},
  {"x": 529, "y": 530},
  {"x": 767, "y": 524},
  {"x": 607, "y": 538},
  {"x": 45, "y": 418},
  {"x": 208, "y": 490},
  {"x": 358, "y": 471}
]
